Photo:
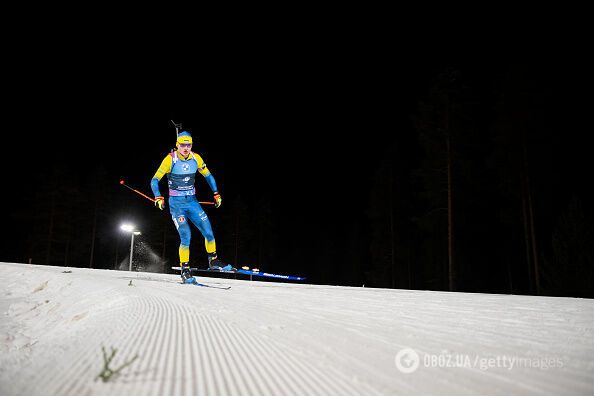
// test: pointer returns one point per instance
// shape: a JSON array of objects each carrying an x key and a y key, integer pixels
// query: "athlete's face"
[{"x": 184, "y": 149}]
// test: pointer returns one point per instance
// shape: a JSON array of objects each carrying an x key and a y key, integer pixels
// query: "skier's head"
[
  {"x": 184, "y": 137},
  {"x": 184, "y": 143}
]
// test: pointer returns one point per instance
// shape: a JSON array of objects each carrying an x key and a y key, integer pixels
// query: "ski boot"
[
  {"x": 186, "y": 273},
  {"x": 214, "y": 264}
]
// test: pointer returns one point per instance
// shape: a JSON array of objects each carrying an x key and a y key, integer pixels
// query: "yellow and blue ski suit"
[{"x": 183, "y": 205}]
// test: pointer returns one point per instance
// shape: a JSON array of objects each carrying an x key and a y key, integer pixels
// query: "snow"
[{"x": 271, "y": 338}]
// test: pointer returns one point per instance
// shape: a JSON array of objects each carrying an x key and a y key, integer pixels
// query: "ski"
[
  {"x": 193, "y": 281},
  {"x": 254, "y": 273},
  {"x": 196, "y": 283},
  {"x": 269, "y": 275}
]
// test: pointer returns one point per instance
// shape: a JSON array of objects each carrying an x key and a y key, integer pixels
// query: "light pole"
[{"x": 133, "y": 231}]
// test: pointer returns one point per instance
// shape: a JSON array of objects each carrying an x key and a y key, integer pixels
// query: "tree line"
[{"x": 468, "y": 197}]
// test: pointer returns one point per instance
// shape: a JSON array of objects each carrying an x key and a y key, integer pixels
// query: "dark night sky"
[{"x": 303, "y": 133}]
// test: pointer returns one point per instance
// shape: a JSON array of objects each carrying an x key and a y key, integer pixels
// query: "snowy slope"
[{"x": 264, "y": 338}]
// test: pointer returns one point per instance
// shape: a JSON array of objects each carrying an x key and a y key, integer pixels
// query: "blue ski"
[
  {"x": 269, "y": 275},
  {"x": 193, "y": 281},
  {"x": 256, "y": 273},
  {"x": 211, "y": 286}
]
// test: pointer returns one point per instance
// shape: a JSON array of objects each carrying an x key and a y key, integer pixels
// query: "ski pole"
[
  {"x": 136, "y": 191},
  {"x": 151, "y": 199}
]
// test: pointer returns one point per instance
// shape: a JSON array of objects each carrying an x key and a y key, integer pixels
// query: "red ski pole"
[{"x": 151, "y": 199}]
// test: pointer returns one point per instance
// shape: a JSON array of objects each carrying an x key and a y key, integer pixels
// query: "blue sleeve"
[
  {"x": 155, "y": 187},
  {"x": 211, "y": 182}
]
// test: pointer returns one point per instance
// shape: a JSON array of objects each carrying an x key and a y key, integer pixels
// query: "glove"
[
  {"x": 217, "y": 199},
  {"x": 160, "y": 202}
]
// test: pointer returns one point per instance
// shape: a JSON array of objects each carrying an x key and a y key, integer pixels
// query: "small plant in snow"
[{"x": 108, "y": 373}]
